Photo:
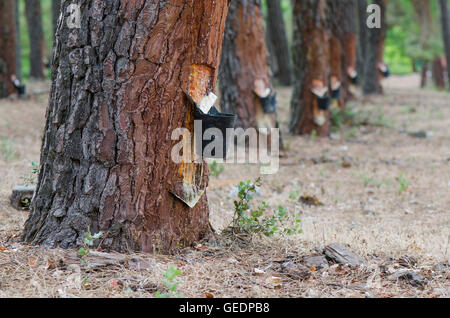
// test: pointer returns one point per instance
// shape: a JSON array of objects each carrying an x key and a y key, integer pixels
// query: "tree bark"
[
  {"x": 424, "y": 75},
  {"x": 276, "y": 31},
  {"x": 8, "y": 46},
  {"x": 18, "y": 43},
  {"x": 56, "y": 11},
  {"x": 311, "y": 67},
  {"x": 337, "y": 56},
  {"x": 374, "y": 54},
  {"x": 446, "y": 33},
  {"x": 362, "y": 36},
  {"x": 36, "y": 37},
  {"x": 438, "y": 73},
  {"x": 244, "y": 61},
  {"x": 117, "y": 96},
  {"x": 350, "y": 39}
]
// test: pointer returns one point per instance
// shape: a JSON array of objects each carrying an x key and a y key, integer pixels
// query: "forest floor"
[{"x": 383, "y": 184}]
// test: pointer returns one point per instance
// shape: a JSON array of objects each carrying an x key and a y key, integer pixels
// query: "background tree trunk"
[
  {"x": 350, "y": 39},
  {"x": 116, "y": 98},
  {"x": 36, "y": 36},
  {"x": 276, "y": 31},
  {"x": 337, "y": 55},
  {"x": 438, "y": 73},
  {"x": 56, "y": 11},
  {"x": 374, "y": 54},
  {"x": 446, "y": 33},
  {"x": 311, "y": 60},
  {"x": 244, "y": 60},
  {"x": 424, "y": 75},
  {"x": 362, "y": 36},
  {"x": 7, "y": 46},
  {"x": 18, "y": 44}
]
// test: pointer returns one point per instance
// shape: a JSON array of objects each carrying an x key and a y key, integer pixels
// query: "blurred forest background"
[{"x": 403, "y": 51}]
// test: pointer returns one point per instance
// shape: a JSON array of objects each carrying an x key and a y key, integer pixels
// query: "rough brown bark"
[
  {"x": 374, "y": 54},
  {"x": 311, "y": 66},
  {"x": 276, "y": 33},
  {"x": 36, "y": 37},
  {"x": 7, "y": 46},
  {"x": 438, "y": 73},
  {"x": 445, "y": 16},
  {"x": 116, "y": 98},
  {"x": 244, "y": 61}
]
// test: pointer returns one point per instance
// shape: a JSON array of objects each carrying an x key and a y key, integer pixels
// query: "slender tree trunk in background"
[
  {"x": 311, "y": 67},
  {"x": 438, "y": 73},
  {"x": 36, "y": 36},
  {"x": 362, "y": 36},
  {"x": 446, "y": 33},
  {"x": 337, "y": 55},
  {"x": 7, "y": 46},
  {"x": 18, "y": 44},
  {"x": 424, "y": 75},
  {"x": 374, "y": 54},
  {"x": 276, "y": 31},
  {"x": 244, "y": 61},
  {"x": 116, "y": 99},
  {"x": 56, "y": 11},
  {"x": 350, "y": 39}
]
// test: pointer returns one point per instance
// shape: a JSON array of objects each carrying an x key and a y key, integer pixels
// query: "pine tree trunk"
[
  {"x": 424, "y": 75},
  {"x": 244, "y": 61},
  {"x": 56, "y": 11},
  {"x": 337, "y": 56},
  {"x": 18, "y": 43},
  {"x": 276, "y": 31},
  {"x": 438, "y": 73},
  {"x": 117, "y": 97},
  {"x": 350, "y": 38},
  {"x": 36, "y": 37},
  {"x": 311, "y": 67},
  {"x": 362, "y": 36},
  {"x": 446, "y": 33},
  {"x": 374, "y": 54},
  {"x": 7, "y": 46}
]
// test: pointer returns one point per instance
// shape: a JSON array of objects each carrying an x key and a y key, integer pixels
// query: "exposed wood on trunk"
[
  {"x": 424, "y": 75},
  {"x": 36, "y": 37},
  {"x": 117, "y": 96},
  {"x": 245, "y": 62},
  {"x": 311, "y": 67},
  {"x": 445, "y": 16},
  {"x": 276, "y": 33},
  {"x": 7, "y": 46}
]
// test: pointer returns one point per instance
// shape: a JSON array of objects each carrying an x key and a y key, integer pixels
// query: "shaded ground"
[{"x": 384, "y": 184}]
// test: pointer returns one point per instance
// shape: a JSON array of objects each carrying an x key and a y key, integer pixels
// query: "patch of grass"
[
  {"x": 171, "y": 274},
  {"x": 403, "y": 183},
  {"x": 251, "y": 221},
  {"x": 7, "y": 150},
  {"x": 216, "y": 169}
]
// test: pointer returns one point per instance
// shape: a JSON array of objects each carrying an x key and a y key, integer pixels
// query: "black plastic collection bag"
[
  {"x": 269, "y": 103},
  {"x": 336, "y": 93},
  {"x": 216, "y": 120},
  {"x": 323, "y": 102}
]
